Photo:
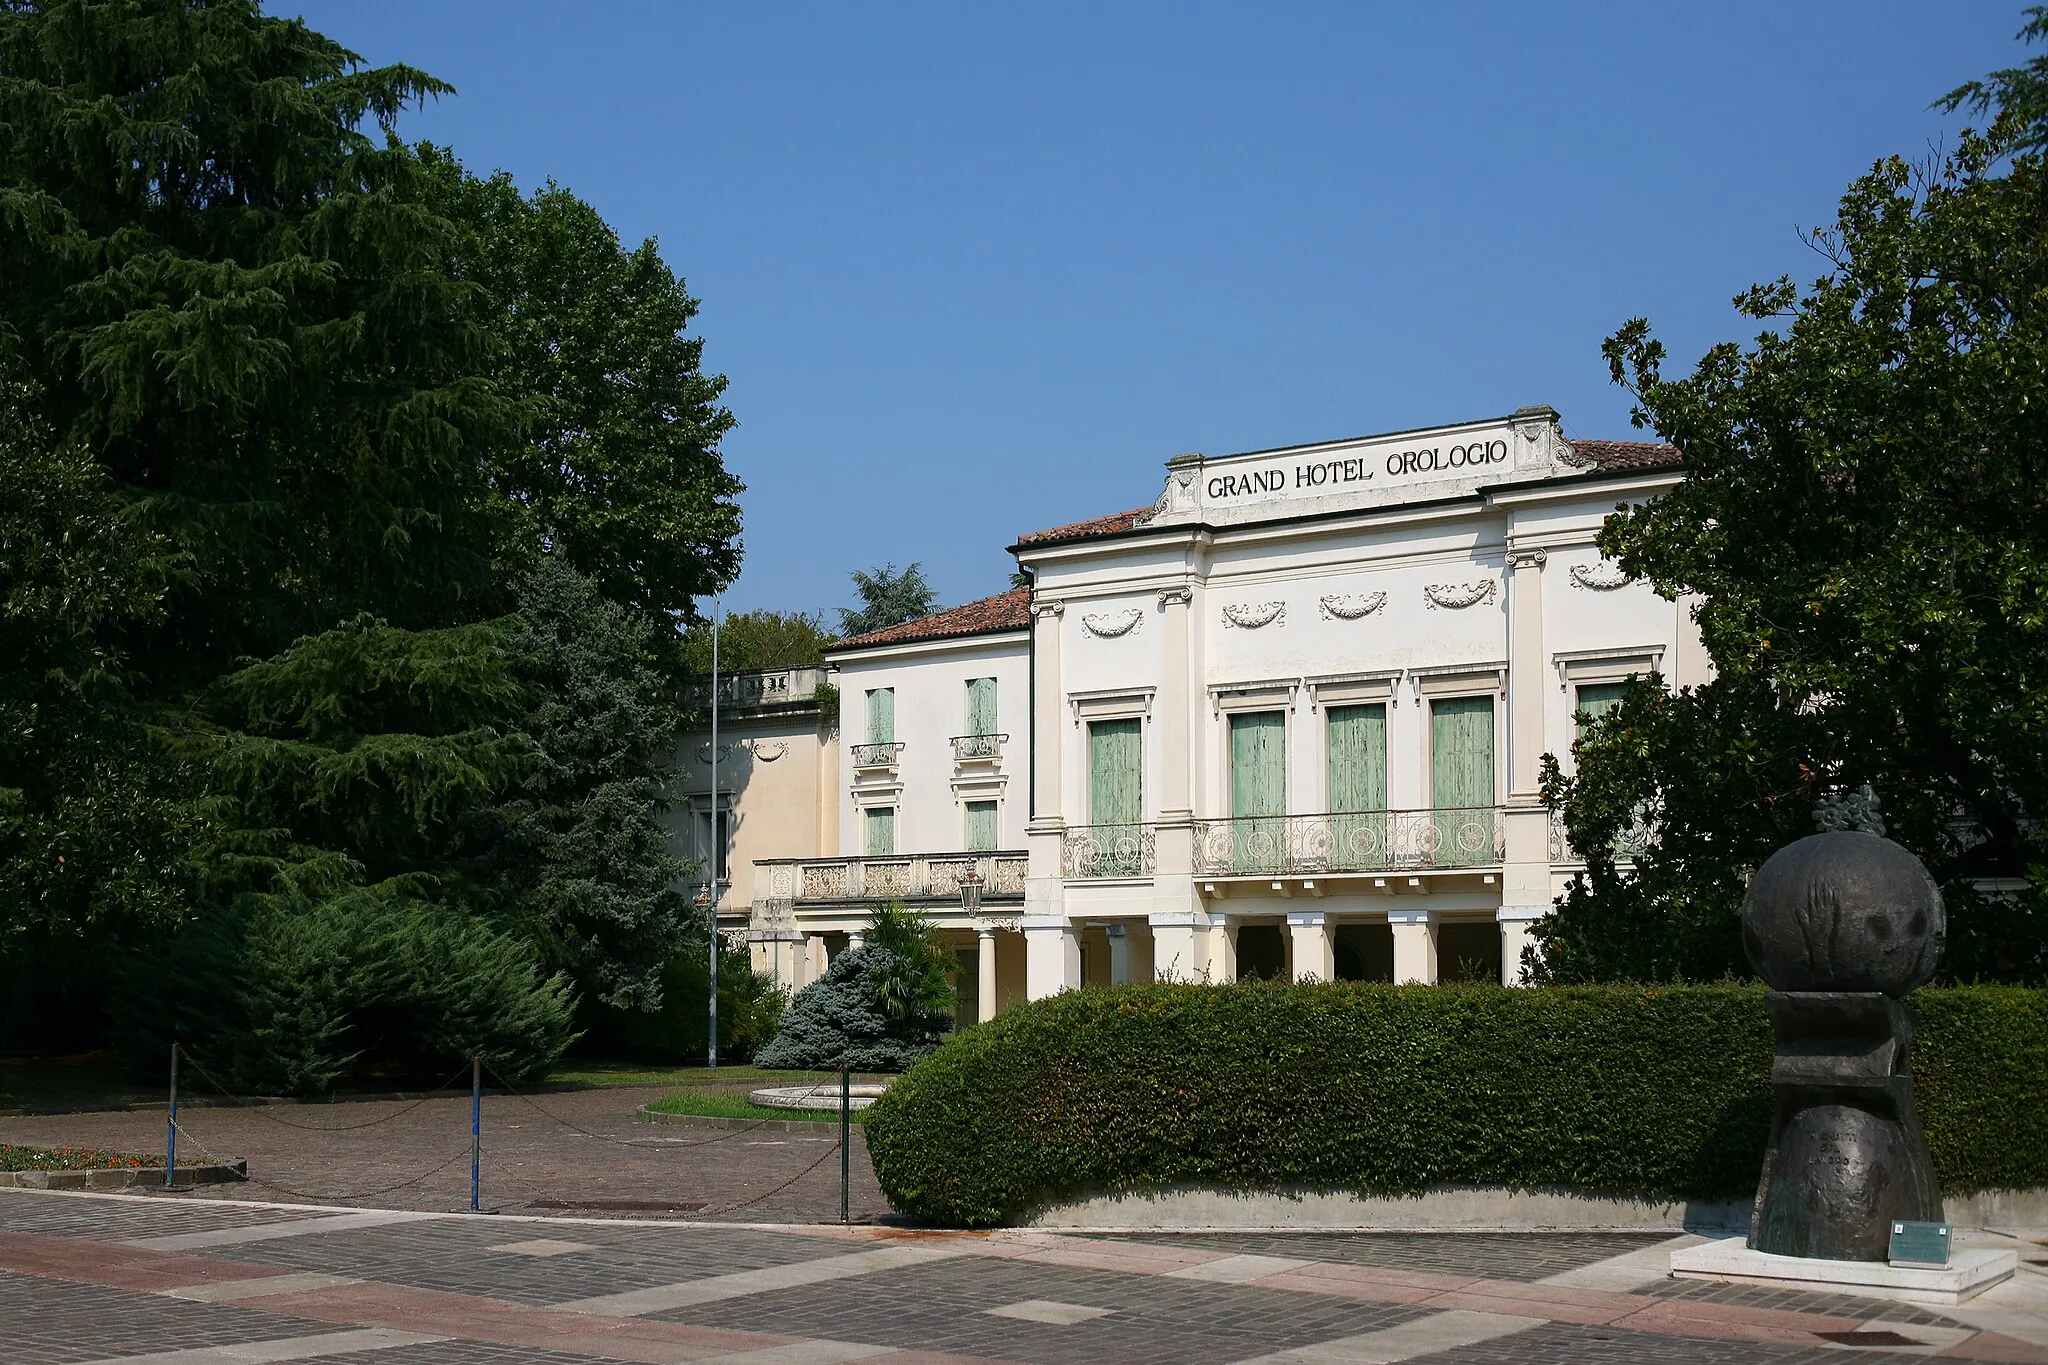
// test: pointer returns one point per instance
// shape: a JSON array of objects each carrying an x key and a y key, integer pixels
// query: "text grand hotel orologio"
[{"x": 1359, "y": 469}]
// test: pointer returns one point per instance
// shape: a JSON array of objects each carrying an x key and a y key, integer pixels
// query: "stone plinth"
[{"x": 1970, "y": 1272}]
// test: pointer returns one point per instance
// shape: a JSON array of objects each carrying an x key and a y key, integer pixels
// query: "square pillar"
[
  {"x": 1315, "y": 951},
  {"x": 1514, "y": 921},
  {"x": 815, "y": 960},
  {"x": 1414, "y": 947},
  {"x": 1180, "y": 946},
  {"x": 1222, "y": 950},
  {"x": 1119, "y": 954},
  {"x": 985, "y": 963},
  {"x": 1052, "y": 956}
]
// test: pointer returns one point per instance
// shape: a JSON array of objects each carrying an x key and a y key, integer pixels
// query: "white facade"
[{"x": 1440, "y": 589}]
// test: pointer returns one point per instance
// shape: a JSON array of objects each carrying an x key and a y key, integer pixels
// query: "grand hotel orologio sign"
[{"x": 1407, "y": 466}]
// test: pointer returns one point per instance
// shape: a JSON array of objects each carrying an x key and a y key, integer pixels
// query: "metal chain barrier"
[
  {"x": 618, "y": 1141},
  {"x": 260, "y": 1109}
]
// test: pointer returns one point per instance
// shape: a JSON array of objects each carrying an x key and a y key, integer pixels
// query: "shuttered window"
[
  {"x": 1258, "y": 790},
  {"x": 1115, "y": 772},
  {"x": 981, "y": 826},
  {"x": 1461, "y": 779},
  {"x": 1595, "y": 701},
  {"x": 881, "y": 829},
  {"x": 981, "y": 706},
  {"x": 1357, "y": 781},
  {"x": 882, "y": 715},
  {"x": 1116, "y": 796}
]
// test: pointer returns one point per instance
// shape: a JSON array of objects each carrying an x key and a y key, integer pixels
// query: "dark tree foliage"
[
  {"x": 348, "y": 507},
  {"x": 579, "y": 850},
  {"x": 1864, "y": 523},
  {"x": 619, "y": 468},
  {"x": 887, "y": 598}
]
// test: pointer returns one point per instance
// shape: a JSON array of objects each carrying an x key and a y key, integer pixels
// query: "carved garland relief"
[
  {"x": 1598, "y": 577},
  {"x": 1111, "y": 625},
  {"x": 1338, "y": 607},
  {"x": 1253, "y": 615},
  {"x": 1458, "y": 596}
]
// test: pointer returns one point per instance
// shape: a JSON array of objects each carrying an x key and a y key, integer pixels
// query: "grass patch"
[
  {"x": 70, "y": 1159},
  {"x": 716, "y": 1104},
  {"x": 588, "y": 1071}
]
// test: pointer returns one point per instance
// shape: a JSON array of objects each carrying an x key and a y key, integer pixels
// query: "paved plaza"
[
  {"x": 175, "y": 1280},
  {"x": 575, "y": 1151}
]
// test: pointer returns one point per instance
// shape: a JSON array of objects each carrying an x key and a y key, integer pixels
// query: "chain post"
[
  {"x": 476, "y": 1128},
  {"x": 171, "y": 1132},
  {"x": 845, "y": 1136}
]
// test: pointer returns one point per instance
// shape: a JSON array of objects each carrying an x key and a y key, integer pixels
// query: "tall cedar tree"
[
  {"x": 270, "y": 511},
  {"x": 1862, "y": 520}
]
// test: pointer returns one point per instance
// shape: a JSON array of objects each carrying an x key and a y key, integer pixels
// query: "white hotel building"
[{"x": 1285, "y": 721}]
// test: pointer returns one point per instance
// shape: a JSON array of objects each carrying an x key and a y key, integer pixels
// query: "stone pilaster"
[
  {"x": 1052, "y": 956},
  {"x": 985, "y": 962},
  {"x": 1045, "y": 835},
  {"x": 1525, "y": 878},
  {"x": 1414, "y": 947},
  {"x": 1514, "y": 921},
  {"x": 1180, "y": 945}
]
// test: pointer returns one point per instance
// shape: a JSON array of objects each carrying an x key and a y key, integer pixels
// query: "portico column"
[
  {"x": 816, "y": 959},
  {"x": 1525, "y": 874},
  {"x": 1222, "y": 949},
  {"x": 855, "y": 937},
  {"x": 1514, "y": 937},
  {"x": 1315, "y": 954},
  {"x": 1414, "y": 947},
  {"x": 1180, "y": 945},
  {"x": 1052, "y": 958},
  {"x": 985, "y": 963},
  {"x": 1119, "y": 955}
]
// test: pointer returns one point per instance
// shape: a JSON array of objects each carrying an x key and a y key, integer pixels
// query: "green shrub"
[
  {"x": 750, "y": 1008},
  {"x": 1652, "y": 1091},
  {"x": 840, "y": 1020},
  {"x": 283, "y": 998}
]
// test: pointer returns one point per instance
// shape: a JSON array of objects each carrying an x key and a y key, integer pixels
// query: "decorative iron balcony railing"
[
  {"x": 1357, "y": 841},
  {"x": 1628, "y": 845},
  {"x": 1095, "y": 851},
  {"x": 876, "y": 755},
  {"x": 925, "y": 878},
  {"x": 969, "y": 748}
]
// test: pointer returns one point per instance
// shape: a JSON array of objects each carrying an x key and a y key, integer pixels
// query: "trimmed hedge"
[{"x": 1651, "y": 1091}]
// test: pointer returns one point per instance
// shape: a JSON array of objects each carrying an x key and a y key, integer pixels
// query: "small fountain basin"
[{"x": 822, "y": 1095}]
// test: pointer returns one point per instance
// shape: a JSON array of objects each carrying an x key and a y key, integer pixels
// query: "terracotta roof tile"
[
  {"x": 1005, "y": 611},
  {"x": 1618, "y": 455},
  {"x": 1083, "y": 530}
]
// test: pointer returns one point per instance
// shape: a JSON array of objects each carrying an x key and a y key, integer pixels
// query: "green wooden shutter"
[
  {"x": 1116, "y": 795},
  {"x": 881, "y": 827},
  {"x": 1258, "y": 791},
  {"x": 882, "y": 715},
  {"x": 1357, "y": 773},
  {"x": 981, "y": 706},
  {"x": 981, "y": 827},
  {"x": 1461, "y": 779},
  {"x": 1595, "y": 701}
]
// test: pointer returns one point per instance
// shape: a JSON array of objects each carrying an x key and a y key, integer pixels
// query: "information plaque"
[{"x": 1920, "y": 1243}]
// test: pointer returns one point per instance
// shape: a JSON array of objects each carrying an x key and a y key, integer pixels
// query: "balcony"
[
  {"x": 1094, "y": 852},
  {"x": 978, "y": 748},
  {"x": 927, "y": 879},
  {"x": 1629, "y": 844},
  {"x": 1361, "y": 841},
  {"x": 758, "y": 688},
  {"x": 876, "y": 755}
]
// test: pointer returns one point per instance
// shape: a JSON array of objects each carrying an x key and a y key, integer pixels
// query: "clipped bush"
[
  {"x": 840, "y": 1020},
  {"x": 281, "y": 998},
  {"x": 1658, "y": 1092}
]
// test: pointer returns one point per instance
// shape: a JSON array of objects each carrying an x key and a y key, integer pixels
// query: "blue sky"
[{"x": 974, "y": 270}]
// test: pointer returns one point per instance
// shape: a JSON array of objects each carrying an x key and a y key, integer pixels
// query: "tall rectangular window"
[
  {"x": 1115, "y": 772},
  {"x": 981, "y": 827},
  {"x": 881, "y": 715},
  {"x": 1258, "y": 791},
  {"x": 714, "y": 842},
  {"x": 1595, "y": 701},
  {"x": 981, "y": 706},
  {"x": 1461, "y": 779},
  {"x": 1356, "y": 770},
  {"x": 881, "y": 830}
]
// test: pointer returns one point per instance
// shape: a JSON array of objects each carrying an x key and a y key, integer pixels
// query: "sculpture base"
[{"x": 1970, "y": 1272}]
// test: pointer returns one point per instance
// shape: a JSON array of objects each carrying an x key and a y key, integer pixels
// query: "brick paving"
[
  {"x": 1500, "y": 1255},
  {"x": 574, "y": 1152},
  {"x": 104, "y": 1277}
]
